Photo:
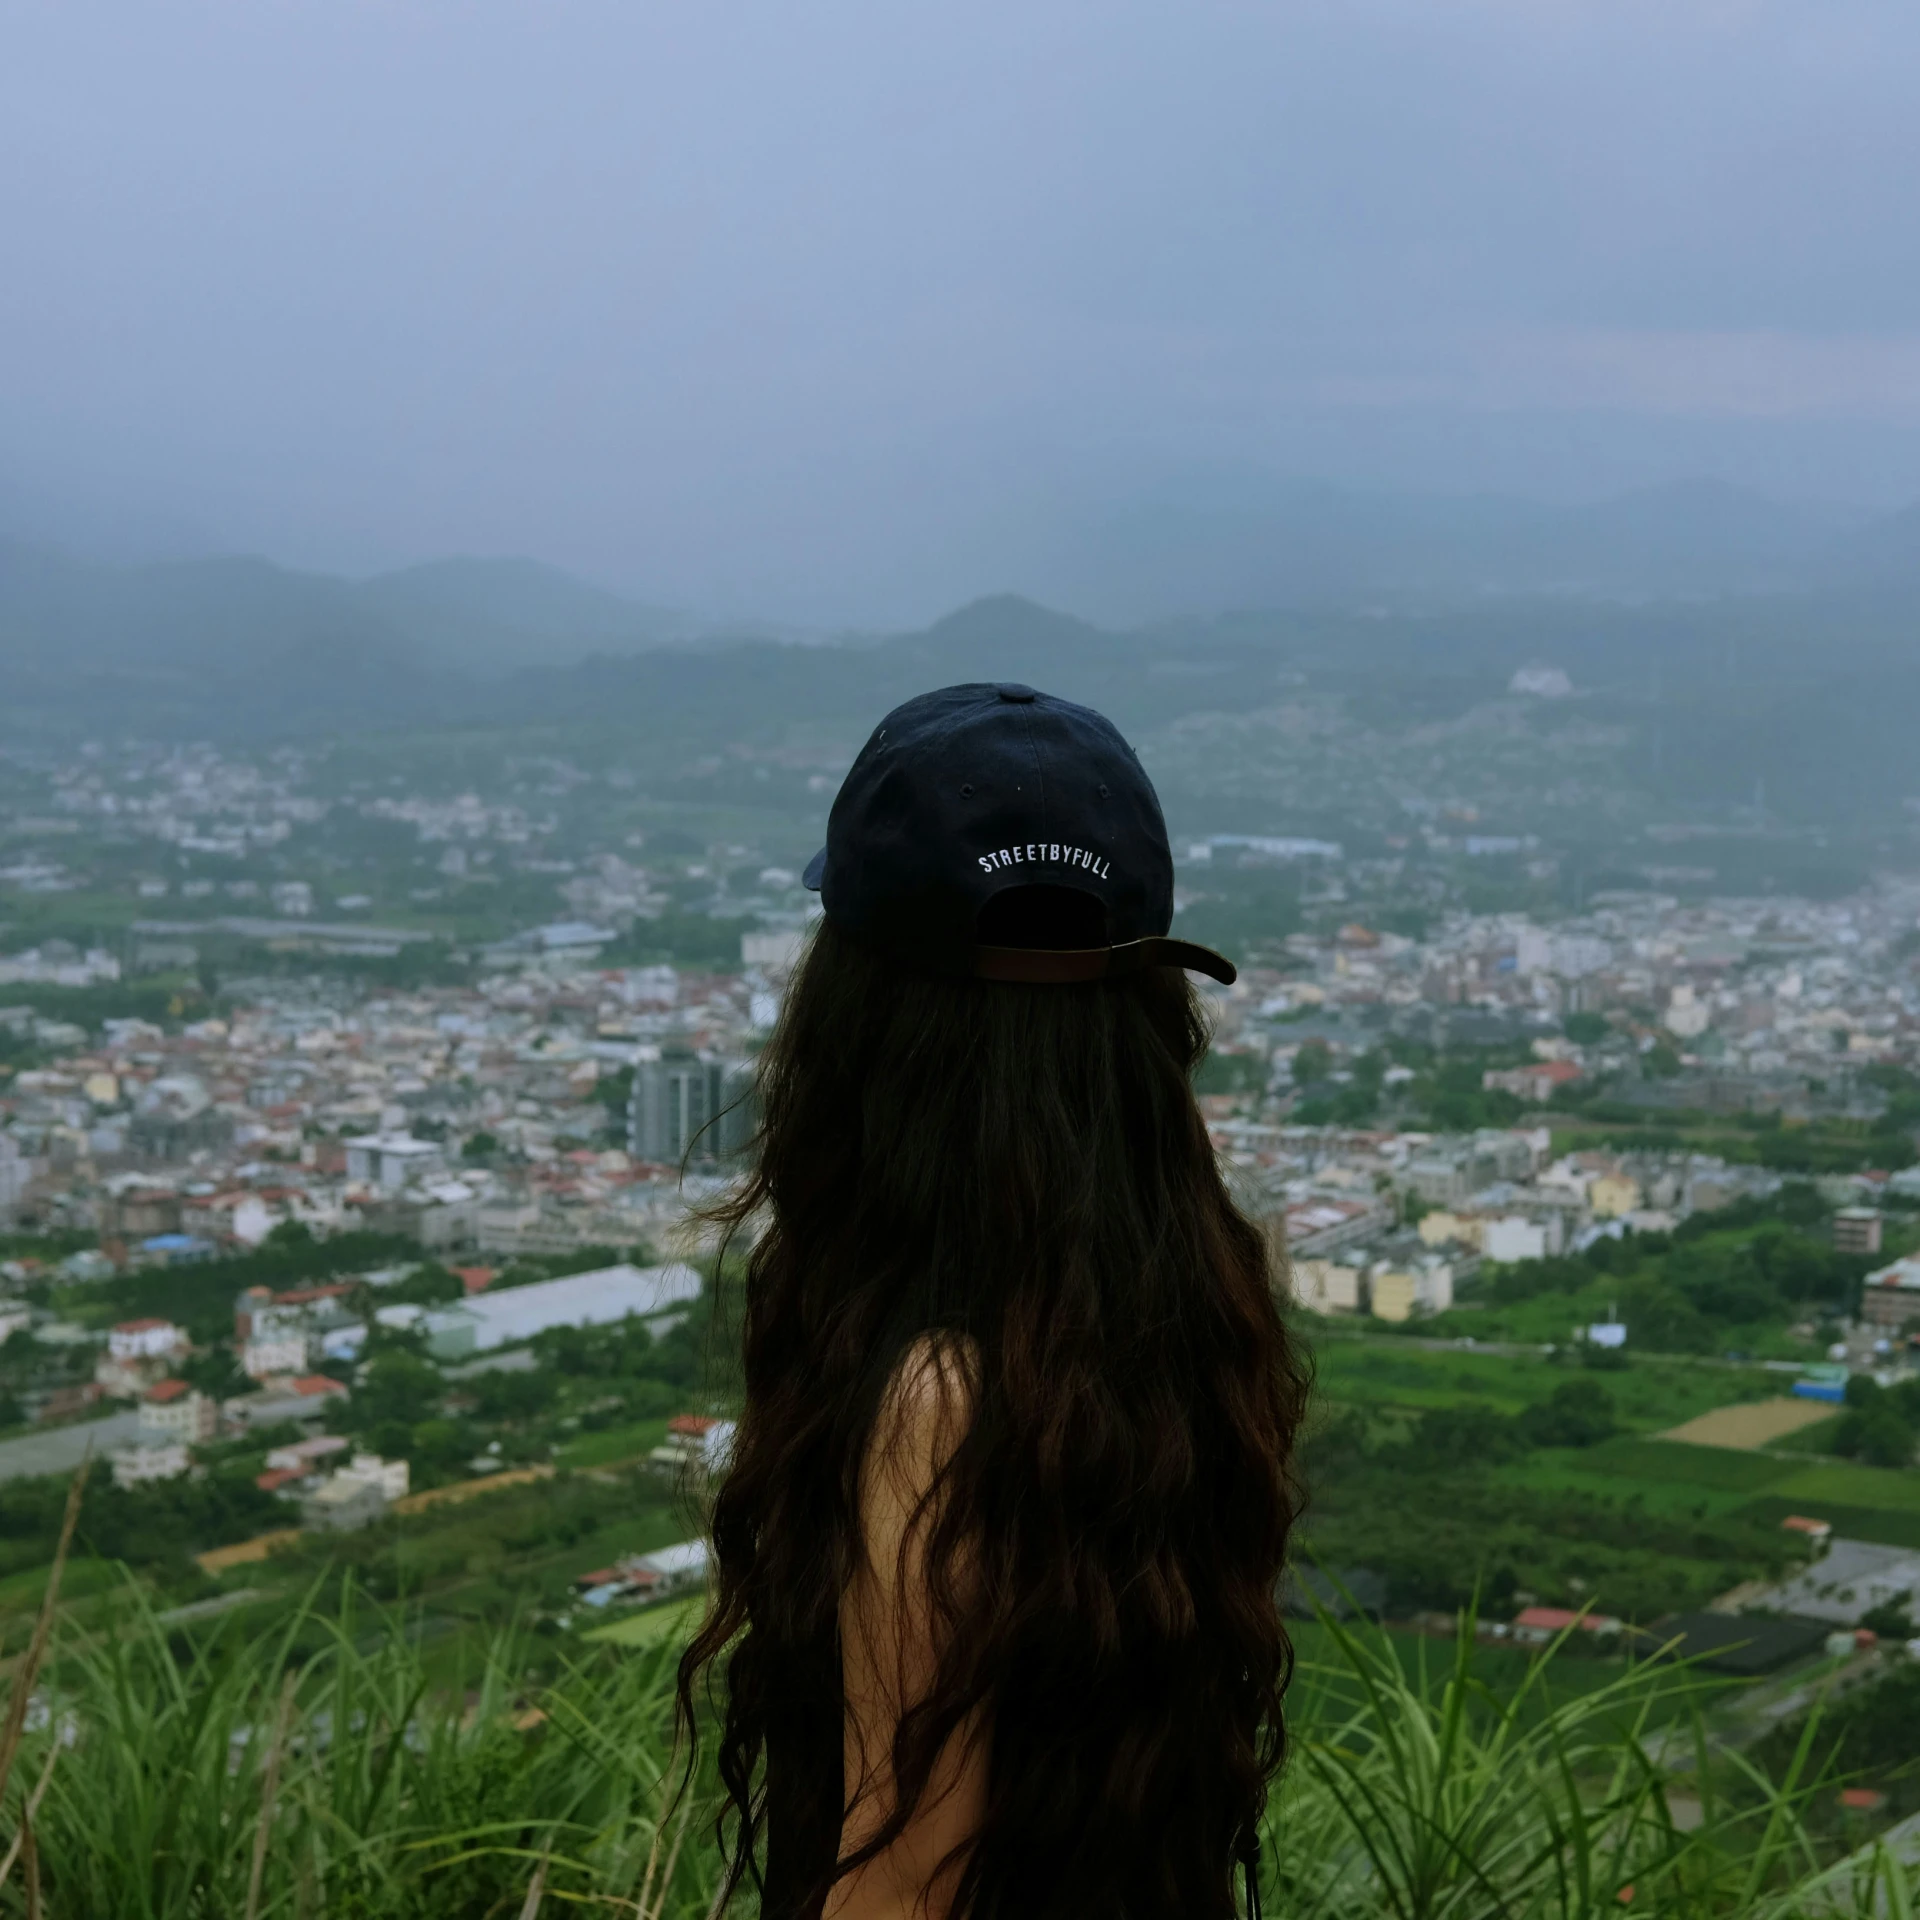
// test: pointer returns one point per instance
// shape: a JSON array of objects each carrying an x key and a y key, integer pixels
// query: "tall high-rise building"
[{"x": 689, "y": 1105}]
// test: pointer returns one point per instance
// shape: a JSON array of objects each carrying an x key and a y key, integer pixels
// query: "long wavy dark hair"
[{"x": 1024, "y": 1166}]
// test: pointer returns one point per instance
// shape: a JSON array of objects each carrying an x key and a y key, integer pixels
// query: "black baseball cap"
[{"x": 993, "y": 831}]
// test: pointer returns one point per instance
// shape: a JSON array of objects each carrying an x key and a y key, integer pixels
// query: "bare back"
[{"x": 890, "y": 1647}]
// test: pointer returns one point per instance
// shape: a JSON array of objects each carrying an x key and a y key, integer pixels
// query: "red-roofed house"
[
  {"x": 1538, "y": 1080},
  {"x": 302, "y": 1397},
  {"x": 1816, "y": 1532},
  {"x": 312, "y": 1385},
  {"x": 695, "y": 1440},
  {"x": 176, "y": 1411},
  {"x": 1535, "y": 1626}
]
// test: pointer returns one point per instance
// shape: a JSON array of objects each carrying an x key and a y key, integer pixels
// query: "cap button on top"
[{"x": 1014, "y": 693}]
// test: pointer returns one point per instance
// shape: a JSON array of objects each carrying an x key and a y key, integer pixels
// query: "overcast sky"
[{"x": 822, "y": 307}]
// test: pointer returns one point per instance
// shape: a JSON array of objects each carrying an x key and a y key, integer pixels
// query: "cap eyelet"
[
  {"x": 1104, "y": 794},
  {"x": 966, "y": 790}
]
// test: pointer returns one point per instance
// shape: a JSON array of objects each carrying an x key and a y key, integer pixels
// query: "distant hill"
[
  {"x": 1409, "y": 613},
  {"x": 493, "y": 615},
  {"x": 238, "y": 642},
  {"x": 241, "y": 644}
]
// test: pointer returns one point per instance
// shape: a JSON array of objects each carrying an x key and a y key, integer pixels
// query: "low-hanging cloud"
[{"x": 816, "y": 309}]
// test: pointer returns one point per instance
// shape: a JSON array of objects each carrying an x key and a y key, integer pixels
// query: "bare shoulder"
[
  {"x": 930, "y": 1396},
  {"x": 924, "y": 1415}
]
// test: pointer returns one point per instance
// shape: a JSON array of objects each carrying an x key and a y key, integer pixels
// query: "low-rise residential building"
[
  {"x": 1890, "y": 1297},
  {"x": 306, "y": 1456},
  {"x": 173, "y": 1410},
  {"x": 1448, "y": 1227},
  {"x": 302, "y": 1398},
  {"x": 341, "y": 1505},
  {"x": 288, "y": 1351},
  {"x": 1329, "y": 1286},
  {"x": 1856, "y": 1230},
  {"x": 69, "y": 1403},
  {"x": 1537, "y": 1626},
  {"x": 1612, "y": 1195},
  {"x": 695, "y": 1442},
  {"x": 1539, "y": 1080},
  {"x": 504, "y": 1316},
  {"x": 357, "y": 1495},
  {"x": 1399, "y": 1293},
  {"x": 1323, "y": 1223},
  {"x": 1511, "y": 1238},
  {"x": 676, "y": 1569},
  {"x": 146, "y": 1340},
  {"x": 149, "y": 1458},
  {"x": 390, "y": 1160}
]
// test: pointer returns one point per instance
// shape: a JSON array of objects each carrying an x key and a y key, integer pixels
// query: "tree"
[
  {"x": 398, "y": 1387},
  {"x": 1312, "y": 1062},
  {"x": 1449, "y": 1439},
  {"x": 215, "y": 1372},
  {"x": 1891, "y": 1620},
  {"x": 1579, "y": 1414},
  {"x": 1874, "y": 1428},
  {"x": 428, "y": 1285}
]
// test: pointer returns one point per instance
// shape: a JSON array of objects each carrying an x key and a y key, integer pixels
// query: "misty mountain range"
[
  {"x": 1721, "y": 608},
  {"x": 1200, "y": 548}
]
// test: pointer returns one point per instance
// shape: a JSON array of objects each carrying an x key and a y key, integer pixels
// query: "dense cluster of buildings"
[
  {"x": 282, "y": 1340},
  {"x": 1388, "y": 1223},
  {"x": 1735, "y": 1006},
  {"x": 557, "y": 1104},
  {"x": 474, "y": 1120}
]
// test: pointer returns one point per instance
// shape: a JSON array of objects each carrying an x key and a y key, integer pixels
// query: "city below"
[{"x": 357, "y": 1119}]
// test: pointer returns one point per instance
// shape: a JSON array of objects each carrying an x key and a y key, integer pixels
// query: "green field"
[
  {"x": 652, "y": 1625},
  {"x": 1433, "y": 1465},
  {"x": 613, "y": 1445},
  {"x": 1650, "y": 1395},
  {"x": 1818, "y": 1438},
  {"x": 1725, "y": 1478}
]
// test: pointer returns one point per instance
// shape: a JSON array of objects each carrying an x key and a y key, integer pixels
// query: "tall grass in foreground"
[
  {"x": 1429, "y": 1796},
  {"x": 258, "y": 1777}
]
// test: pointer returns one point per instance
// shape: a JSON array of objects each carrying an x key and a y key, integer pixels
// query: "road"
[
  {"x": 59, "y": 1449},
  {"x": 1509, "y": 1349},
  {"x": 508, "y": 1360}
]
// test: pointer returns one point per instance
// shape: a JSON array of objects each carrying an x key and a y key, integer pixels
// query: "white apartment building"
[
  {"x": 172, "y": 1410},
  {"x": 390, "y": 1160},
  {"x": 1514, "y": 1238},
  {"x": 389, "y": 1476},
  {"x": 302, "y": 1456},
  {"x": 146, "y": 1340},
  {"x": 150, "y": 1459},
  {"x": 1329, "y": 1286},
  {"x": 276, "y": 1353}
]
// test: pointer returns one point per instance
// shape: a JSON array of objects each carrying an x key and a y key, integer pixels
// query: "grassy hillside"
[{"x": 328, "y": 1768}]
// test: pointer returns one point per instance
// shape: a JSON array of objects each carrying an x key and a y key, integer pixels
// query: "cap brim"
[
  {"x": 1060, "y": 966},
  {"x": 816, "y": 872}
]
